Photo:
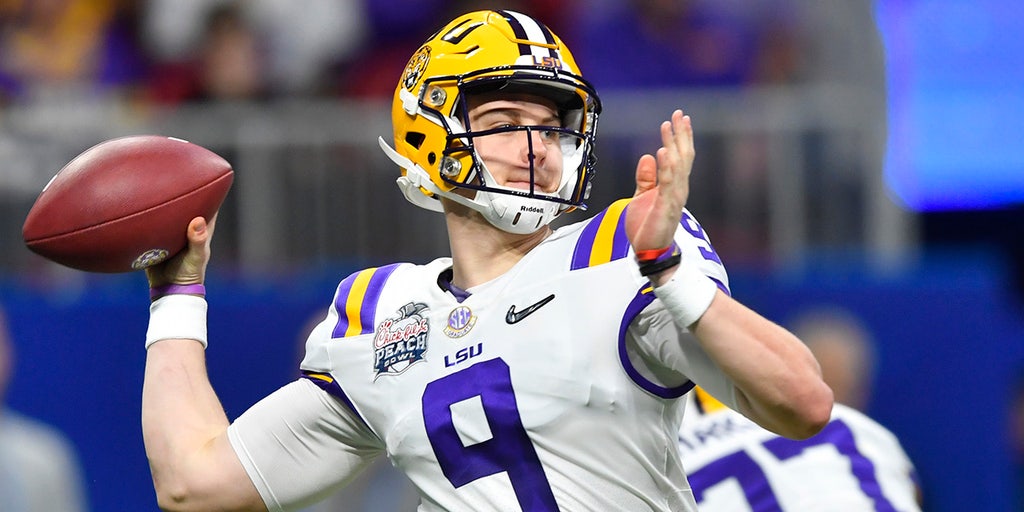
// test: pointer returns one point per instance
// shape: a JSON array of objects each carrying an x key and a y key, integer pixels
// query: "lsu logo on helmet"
[{"x": 415, "y": 68}]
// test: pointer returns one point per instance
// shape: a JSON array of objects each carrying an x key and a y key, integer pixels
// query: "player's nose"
[{"x": 537, "y": 144}]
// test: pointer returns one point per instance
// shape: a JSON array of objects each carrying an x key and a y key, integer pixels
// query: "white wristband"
[
  {"x": 177, "y": 317},
  {"x": 687, "y": 295}
]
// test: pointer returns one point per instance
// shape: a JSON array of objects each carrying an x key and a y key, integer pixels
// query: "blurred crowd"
[
  {"x": 171, "y": 51},
  {"x": 62, "y": 62}
]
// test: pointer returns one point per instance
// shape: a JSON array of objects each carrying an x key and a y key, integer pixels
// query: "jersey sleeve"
[
  {"x": 351, "y": 314},
  {"x": 673, "y": 358},
  {"x": 299, "y": 444},
  {"x": 663, "y": 352}
]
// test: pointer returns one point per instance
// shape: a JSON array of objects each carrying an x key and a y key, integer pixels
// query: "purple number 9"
[{"x": 509, "y": 448}]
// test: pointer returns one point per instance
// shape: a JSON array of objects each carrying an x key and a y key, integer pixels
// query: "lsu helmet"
[{"x": 487, "y": 51}]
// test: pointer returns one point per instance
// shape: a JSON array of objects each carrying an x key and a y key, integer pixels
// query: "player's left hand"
[{"x": 662, "y": 187}]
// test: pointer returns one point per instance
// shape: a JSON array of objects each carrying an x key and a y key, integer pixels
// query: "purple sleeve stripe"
[
  {"x": 340, "y": 299},
  {"x": 585, "y": 244},
  {"x": 327, "y": 383},
  {"x": 644, "y": 298},
  {"x": 372, "y": 295},
  {"x": 356, "y": 300},
  {"x": 603, "y": 239},
  {"x": 721, "y": 286}
]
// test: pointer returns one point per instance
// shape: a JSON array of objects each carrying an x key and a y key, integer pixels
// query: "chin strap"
[{"x": 416, "y": 180}]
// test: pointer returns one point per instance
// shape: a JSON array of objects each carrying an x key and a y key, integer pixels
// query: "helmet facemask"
[{"x": 521, "y": 210}]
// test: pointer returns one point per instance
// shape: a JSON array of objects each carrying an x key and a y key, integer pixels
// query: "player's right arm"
[
  {"x": 184, "y": 426},
  {"x": 185, "y": 431},
  {"x": 289, "y": 449}
]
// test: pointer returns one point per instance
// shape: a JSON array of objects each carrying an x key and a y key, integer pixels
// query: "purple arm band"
[{"x": 177, "y": 289}]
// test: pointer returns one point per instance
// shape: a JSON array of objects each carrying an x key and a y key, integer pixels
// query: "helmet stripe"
[
  {"x": 527, "y": 28},
  {"x": 518, "y": 30}
]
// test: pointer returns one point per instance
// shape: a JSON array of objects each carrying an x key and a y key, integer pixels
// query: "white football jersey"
[
  {"x": 554, "y": 387},
  {"x": 854, "y": 464}
]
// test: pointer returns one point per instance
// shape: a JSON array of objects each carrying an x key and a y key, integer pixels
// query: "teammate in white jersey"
[
  {"x": 853, "y": 464},
  {"x": 533, "y": 369}
]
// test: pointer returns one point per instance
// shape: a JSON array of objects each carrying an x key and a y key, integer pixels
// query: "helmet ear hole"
[
  {"x": 432, "y": 158},
  {"x": 415, "y": 139}
]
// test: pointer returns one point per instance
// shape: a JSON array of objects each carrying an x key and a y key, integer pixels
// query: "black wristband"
[{"x": 656, "y": 266}]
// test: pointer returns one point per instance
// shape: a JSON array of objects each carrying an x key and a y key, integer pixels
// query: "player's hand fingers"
[
  {"x": 200, "y": 235},
  {"x": 646, "y": 174},
  {"x": 676, "y": 162},
  {"x": 188, "y": 266},
  {"x": 200, "y": 232},
  {"x": 682, "y": 128}
]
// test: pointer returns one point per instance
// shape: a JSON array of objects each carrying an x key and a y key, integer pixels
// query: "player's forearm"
[
  {"x": 181, "y": 416},
  {"x": 777, "y": 379}
]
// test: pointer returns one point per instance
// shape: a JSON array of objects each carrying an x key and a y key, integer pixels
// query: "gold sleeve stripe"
[
  {"x": 354, "y": 304},
  {"x": 357, "y": 298},
  {"x": 604, "y": 242},
  {"x": 320, "y": 376},
  {"x": 603, "y": 239}
]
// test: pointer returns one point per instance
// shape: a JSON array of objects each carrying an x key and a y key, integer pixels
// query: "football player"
[
  {"x": 853, "y": 464},
  {"x": 533, "y": 369}
]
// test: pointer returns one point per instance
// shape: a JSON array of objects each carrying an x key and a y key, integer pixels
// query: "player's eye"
[{"x": 551, "y": 136}]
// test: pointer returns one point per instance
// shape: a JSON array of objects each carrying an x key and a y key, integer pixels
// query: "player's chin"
[{"x": 519, "y": 185}]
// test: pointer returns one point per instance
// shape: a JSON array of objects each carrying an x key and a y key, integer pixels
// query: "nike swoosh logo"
[{"x": 514, "y": 316}]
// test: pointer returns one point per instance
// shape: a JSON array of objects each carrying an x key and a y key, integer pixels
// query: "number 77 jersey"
[
  {"x": 537, "y": 392},
  {"x": 853, "y": 464}
]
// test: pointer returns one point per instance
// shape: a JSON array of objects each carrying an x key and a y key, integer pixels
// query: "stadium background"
[{"x": 802, "y": 195}]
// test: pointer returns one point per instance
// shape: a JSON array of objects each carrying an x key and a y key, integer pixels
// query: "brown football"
[{"x": 125, "y": 204}]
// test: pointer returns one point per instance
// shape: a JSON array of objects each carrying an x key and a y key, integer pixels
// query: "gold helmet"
[{"x": 481, "y": 52}]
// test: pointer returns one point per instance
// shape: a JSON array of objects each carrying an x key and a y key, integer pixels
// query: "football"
[{"x": 125, "y": 204}]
